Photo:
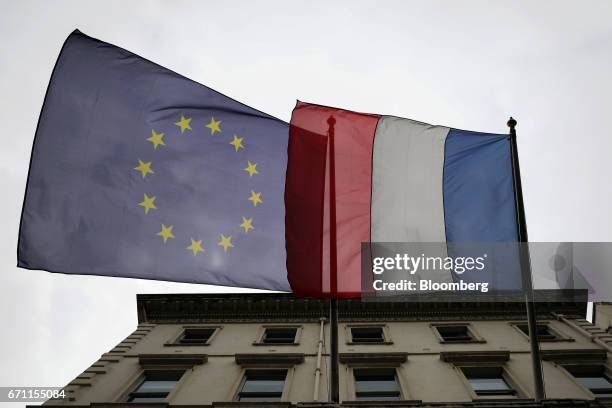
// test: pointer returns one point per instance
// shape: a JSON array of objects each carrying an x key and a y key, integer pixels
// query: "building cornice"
[{"x": 210, "y": 308}]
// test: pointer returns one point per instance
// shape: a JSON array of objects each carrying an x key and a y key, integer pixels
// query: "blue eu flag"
[{"x": 139, "y": 172}]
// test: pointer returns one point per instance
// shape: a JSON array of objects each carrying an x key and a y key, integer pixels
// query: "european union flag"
[{"x": 139, "y": 172}]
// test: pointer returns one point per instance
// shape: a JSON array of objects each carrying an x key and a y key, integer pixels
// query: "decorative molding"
[
  {"x": 270, "y": 359},
  {"x": 465, "y": 357}
]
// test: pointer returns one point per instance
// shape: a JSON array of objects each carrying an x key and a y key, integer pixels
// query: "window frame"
[
  {"x": 560, "y": 336},
  {"x": 354, "y": 392},
  {"x": 262, "y": 333},
  {"x": 476, "y": 337},
  {"x": 239, "y": 383},
  {"x": 137, "y": 381},
  {"x": 385, "y": 332},
  {"x": 605, "y": 369},
  {"x": 517, "y": 392},
  {"x": 175, "y": 340}
]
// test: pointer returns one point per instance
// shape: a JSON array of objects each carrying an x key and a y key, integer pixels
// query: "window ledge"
[
  {"x": 383, "y": 403},
  {"x": 172, "y": 360},
  {"x": 580, "y": 355},
  {"x": 459, "y": 357},
  {"x": 501, "y": 398},
  {"x": 251, "y": 403},
  {"x": 186, "y": 344},
  {"x": 559, "y": 340},
  {"x": 257, "y": 343},
  {"x": 388, "y": 359}
]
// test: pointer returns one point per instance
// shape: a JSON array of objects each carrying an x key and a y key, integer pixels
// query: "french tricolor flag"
[{"x": 390, "y": 179}]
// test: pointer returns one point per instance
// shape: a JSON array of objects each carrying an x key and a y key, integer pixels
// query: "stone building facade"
[{"x": 273, "y": 350}]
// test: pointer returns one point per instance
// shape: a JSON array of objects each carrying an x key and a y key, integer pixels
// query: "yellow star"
[
  {"x": 226, "y": 242},
  {"x": 184, "y": 123},
  {"x": 247, "y": 224},
  {"x": 157, "y": 139},
  {"x": 255, "y": 198},
  {"x": 166, "y": 232},
  {"x": 237, "y": 143},
  {"x": 195, "y": 247},
  {"x": 251, "y": 169},
  {"x": 144, "y": 168},
  {"x": 214, "y": 126},
  {"x": 148, "y": 203}
]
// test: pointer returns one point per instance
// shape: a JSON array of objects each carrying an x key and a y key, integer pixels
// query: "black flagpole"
[
  {"x": 525, "y": 265},
  {"x": 333, "y": 268}
]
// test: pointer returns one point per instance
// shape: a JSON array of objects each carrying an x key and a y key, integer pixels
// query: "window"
[
  {"x": 453, "y": 334},
  {"x": 279, "y": 335},
  {"x": 544, "y": 330},
  {"x": 456, "y": 333},
  {"x": 262, "y": 385},
  {"x": 376, "y": 384},
  {"x": 155, "y": 386},
  {"x": 545, "y": 333},
  {"x": 193, "y": 336},
  {"x": 487, "y": 381},
  {"x": 367, "y": 335},
  {"x": 595, "y": 378},
  {"x": 599, "y": 385},
  {"x": 197, "y": 335}
]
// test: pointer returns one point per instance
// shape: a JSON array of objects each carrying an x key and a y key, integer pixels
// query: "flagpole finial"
[
  {"x": 511, "y": 123},
  {"x": 331, "y": 121}
]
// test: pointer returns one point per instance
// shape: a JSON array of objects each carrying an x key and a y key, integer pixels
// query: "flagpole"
[
  {"x": 525, "y": 265},
  {"x": 333, "y": 268}
]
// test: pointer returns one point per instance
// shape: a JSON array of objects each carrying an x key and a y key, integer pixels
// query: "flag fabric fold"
[{"x": 139, "y": 172}]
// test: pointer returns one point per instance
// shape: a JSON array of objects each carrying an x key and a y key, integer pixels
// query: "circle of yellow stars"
[{"x": 145, "y": 168}]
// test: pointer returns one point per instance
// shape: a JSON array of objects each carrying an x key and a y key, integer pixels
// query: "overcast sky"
[{"x": 465, "y": 64}]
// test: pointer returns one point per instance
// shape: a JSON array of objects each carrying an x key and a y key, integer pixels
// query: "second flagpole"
[{"x": 525, "y": 265}]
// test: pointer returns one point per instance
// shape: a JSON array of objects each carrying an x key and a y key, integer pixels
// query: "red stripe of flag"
[{"x": 307, "y": 197}]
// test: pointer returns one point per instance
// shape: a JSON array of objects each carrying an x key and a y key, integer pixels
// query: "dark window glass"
[
  {"x": 376, "y": 384},
  {"x": 155, "y": 387},
  {"x": 595, "y": 378},
  {"x": 489, "y": 383},
  {"x": 544, "y": 332},
  {"x": 196, "y": 336},
  {"x": 262, "y": 385},
  {"x": 599, "y": 385},
  {"x": 367, "y": 335},
  {"x": 281, "y": 335},
  {"x": 455, "y": 333}
]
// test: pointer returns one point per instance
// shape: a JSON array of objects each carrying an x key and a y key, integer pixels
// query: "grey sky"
[{"x": 465, "y": 64}]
